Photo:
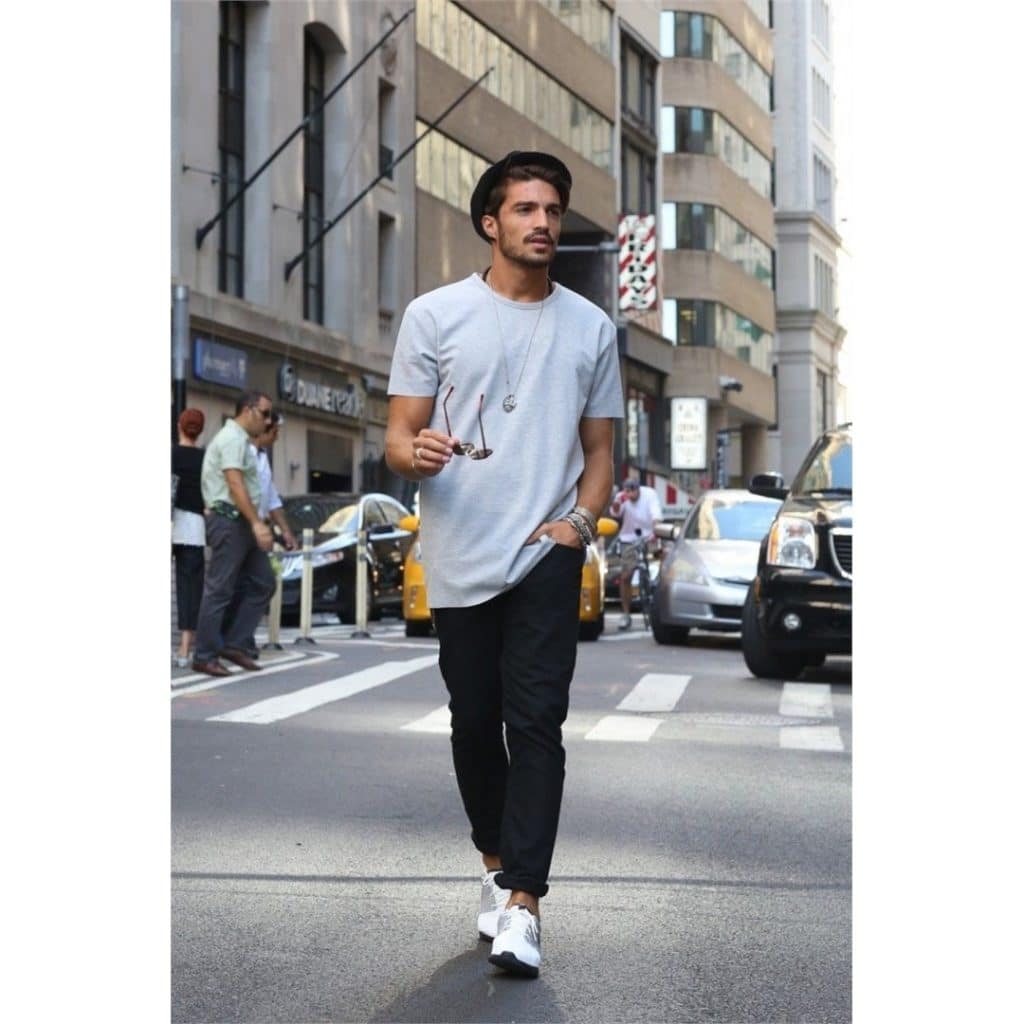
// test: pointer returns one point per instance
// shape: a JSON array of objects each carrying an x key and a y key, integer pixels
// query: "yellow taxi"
[{"x": 416, "y": 610}]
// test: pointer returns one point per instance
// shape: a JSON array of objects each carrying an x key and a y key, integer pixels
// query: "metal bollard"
[
  {"x": 274, "y": 615},
  {"x": 361, "y": 586},
  {"x": 306, "y": 590}
]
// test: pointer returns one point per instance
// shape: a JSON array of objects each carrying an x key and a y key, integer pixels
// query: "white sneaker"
[
  {"x": 492, "y": 902},
  {"x": 182, "y": 662},
  {"x": 626, "y": 621},
  {"x": 516, "y": 947}
]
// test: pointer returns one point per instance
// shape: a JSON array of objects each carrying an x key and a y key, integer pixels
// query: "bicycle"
[
  {"x": 641, "y": 577},
  {"x": 645, "y": 590}
]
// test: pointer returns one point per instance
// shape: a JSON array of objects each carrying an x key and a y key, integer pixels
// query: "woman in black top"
[{"x": 188, "y": 530}]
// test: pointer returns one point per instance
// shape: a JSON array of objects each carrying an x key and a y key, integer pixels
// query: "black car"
[
  {"x": 336, "y": 519},
  {"x": 798, "y": 609}
]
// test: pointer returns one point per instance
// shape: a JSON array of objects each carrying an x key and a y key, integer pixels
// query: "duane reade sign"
[
  {"x": 689, "y": 433},
  {"x": 344, "y": 399}
]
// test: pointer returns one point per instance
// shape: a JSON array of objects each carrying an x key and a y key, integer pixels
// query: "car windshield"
[
  {"x": 829, "y": 470},
  {"x": 718, "y": 518},
  {"x": 315, "y": 513},
  {"x": 343, "y": 521}
]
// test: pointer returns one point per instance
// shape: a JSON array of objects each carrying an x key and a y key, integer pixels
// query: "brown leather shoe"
[
  {"x": 211, "y": 668},
  {"x": 241, "y": 658}
]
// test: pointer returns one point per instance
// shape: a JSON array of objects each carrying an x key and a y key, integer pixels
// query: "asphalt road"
[{"x": 322, "y": 869}]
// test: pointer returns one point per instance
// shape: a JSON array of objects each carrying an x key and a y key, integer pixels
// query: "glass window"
[
  {"x": 823, "y": 189},
  {"x": 589, "y": 19},
  {"x": 703, "y": 37},
  {"x": 445, "y": 169},
  {"x": 821, "y": 101},
  {"x": 638, "y": 170},
  {"x": 820, "y": 23},
  {"x": 722, "y": 518},
  {"x": 828, "y": 468},
  {"x": 710, "y": 324},
  {"x": 450, "y": 33},
  {"x": 638, "y": 72},
  {"x": 313, "y": 184},
  {"x": 699, "y": 226},
  {"x": 231, "y": 147}
]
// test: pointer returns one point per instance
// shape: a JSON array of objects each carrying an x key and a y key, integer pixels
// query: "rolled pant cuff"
[{"x": 509, "y": 880}]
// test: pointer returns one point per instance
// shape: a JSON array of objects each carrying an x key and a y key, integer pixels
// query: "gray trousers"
[{"x": 234, "y": 555}]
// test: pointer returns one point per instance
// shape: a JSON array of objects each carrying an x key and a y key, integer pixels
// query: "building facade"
[
  {"x": 809, "y": 336},
  {"x": 274, "y": 301},
  {"x": 663, "y": 109},
  {"x": 717, "y": 227}
]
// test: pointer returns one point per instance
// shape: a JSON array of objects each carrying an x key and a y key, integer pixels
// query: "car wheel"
[
  {"x": 417, "y": 627},
  {"x": 664, "y": 634},
  {"x": 590, "y": 631},
  {"x": 762, "y": 661}
]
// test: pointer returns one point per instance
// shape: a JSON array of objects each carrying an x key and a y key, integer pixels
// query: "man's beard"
[{"x": 523, "y": 256}]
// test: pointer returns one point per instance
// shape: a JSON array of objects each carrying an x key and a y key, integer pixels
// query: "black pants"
[
  {"x": 189, "y": 565},
  {"x": 510, "y": 661}
]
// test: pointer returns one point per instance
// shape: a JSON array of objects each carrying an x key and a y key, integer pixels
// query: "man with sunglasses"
[
  {"x": 237, "y": 537},
  {"x": 505, "y": 518}
]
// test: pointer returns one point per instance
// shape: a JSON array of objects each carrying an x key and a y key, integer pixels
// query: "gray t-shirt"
[{"x": 477, "y": 514}]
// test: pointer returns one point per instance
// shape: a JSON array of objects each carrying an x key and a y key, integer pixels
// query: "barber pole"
[{"x": 638, "y": 252}]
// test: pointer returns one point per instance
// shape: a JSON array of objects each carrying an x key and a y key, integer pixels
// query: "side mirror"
[
  {"x": 607, "y": 527},
  {"x": 410, "y": 523},
  {"x": 768, "y": 485}
]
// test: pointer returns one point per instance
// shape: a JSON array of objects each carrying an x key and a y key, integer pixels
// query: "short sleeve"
[
  {"x": 656, "y": 512},
  {"x": 414, "y": 365},
  {"x": 605, "y": 398}
]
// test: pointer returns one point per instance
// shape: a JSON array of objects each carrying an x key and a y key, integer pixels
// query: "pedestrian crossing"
[{"x": 657, "y": 706}]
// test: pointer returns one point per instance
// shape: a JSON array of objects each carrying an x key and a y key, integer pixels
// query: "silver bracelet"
[
  {"x": 579, "y": 530},
  {"x": 587, "y": 515},
  {"x": 581, "y": 526}
]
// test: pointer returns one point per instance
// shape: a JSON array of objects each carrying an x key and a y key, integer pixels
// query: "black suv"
[{"x": 799, "y": 607}]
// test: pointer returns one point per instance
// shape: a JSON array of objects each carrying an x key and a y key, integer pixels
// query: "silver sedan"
[{"x": 704, "y": 578}]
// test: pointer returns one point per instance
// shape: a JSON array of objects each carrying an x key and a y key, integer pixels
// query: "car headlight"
[
  {"x": 792, "y": 542},
  {"x": 326, "y": 558},
  {"x": 682, "y": 571}
]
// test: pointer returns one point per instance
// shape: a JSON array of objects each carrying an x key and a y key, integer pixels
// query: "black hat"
[{"x": 497, "y": 171}]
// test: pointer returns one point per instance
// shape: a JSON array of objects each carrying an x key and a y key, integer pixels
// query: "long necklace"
[{"x": 508, "y": 403}]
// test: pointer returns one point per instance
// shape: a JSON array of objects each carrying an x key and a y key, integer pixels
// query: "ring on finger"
[{"x": 416, "y": 454}]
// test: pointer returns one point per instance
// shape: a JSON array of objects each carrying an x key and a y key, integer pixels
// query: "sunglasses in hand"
[{"x": 467, "y": 448}]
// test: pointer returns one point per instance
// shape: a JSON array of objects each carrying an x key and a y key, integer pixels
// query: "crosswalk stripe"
[
  {"x": 289, "y": 704},
  {"x": 656, "y": 691},
  {"x": 439, "y": 720},
  {"x": 185, "y": 685},
  {"x": 624, "y": 729},
  {"x": 810, "y": 737},
  {"x": 806, "y": 700}
]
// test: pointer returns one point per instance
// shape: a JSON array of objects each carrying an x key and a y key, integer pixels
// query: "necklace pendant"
[{"x": 508, "y": 403}]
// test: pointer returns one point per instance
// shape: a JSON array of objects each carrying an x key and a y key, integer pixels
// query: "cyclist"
[{"x": 636, "y": 508}]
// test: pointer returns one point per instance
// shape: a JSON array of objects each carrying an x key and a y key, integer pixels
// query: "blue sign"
[{"x": 220, "y": 364}]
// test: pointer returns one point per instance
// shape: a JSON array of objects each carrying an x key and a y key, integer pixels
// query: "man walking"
[
  {"x": 503, "y": 391},
  {"x": 271, "y": 511},
  {"x": 638, "y": 511},
  {"x": 237, "y": 537}
]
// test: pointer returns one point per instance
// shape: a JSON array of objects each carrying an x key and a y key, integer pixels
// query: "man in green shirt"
[{"x": 238, "y": 539}]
